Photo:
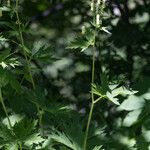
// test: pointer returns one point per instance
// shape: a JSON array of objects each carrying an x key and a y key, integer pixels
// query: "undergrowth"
[{"x": 33, "y": 118}]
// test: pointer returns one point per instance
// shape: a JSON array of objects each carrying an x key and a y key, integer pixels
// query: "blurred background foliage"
[{"x": 62, "y": 76}]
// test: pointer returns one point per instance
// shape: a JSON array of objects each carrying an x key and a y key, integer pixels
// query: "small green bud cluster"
[
  {"x": 8, "y": 3},
  {"x": 97, "y": 7}
]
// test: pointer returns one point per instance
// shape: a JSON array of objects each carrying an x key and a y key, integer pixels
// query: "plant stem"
[
  {"x": 95, "y": 12},
  {"x": 23, "y": 45},
  {"x": 4, "y": 108},
  {"x": 24, "y": 52},
  {"x": 20, "y": 145},
  {"x": 88, "y": 125},
  {"x": 92, "y": 104},
  {"x": 40, "y": 121}
]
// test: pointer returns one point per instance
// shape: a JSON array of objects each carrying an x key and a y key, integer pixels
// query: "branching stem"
[
  {"x": 24, "y": 52},
  {"x": 23, "y": 45},
  {"x": 94, "y": 8}
]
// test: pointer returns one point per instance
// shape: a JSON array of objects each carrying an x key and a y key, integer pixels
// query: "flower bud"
[
  {"x": 83, "y": 29},
  {"x": 97, "y": 19},
  {"x": 92, "y": 6}
]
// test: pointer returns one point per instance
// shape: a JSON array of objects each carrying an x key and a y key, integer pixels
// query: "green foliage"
[
  {"x": 84, "y": 41},
  {"x": 110, "y": 91},
  {"x": 21, "y": 132},
  {"x": 45, "y": 89}
]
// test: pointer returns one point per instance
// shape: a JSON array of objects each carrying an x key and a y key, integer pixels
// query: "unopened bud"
[
  {"x": 83, "y": 30},
  {"x": 92, "y": 6},
  {"x": 98, "y": 2},
  {"x": 8, "y": 3},
  {"x": 97, "y": 19}
]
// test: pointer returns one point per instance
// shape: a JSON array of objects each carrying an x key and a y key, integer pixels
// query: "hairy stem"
[{"x": 5, "y": 110}]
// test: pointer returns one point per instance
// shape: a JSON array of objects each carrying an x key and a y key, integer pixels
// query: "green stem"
[
  {"x": 92, "y": 105},
  {"x": 40, "y": 115},
  {"x": 92, "y": 80},
  {"x": 88, "y": 125},
  {"x": 23, "y": 45},
  {"x": 20, "y": 145},
  {"x": 97, "y": 100},
  {"x": 4, "y": 108},
  {"x": 25, "y": 54},
  {"x": 40, "y": 121}
]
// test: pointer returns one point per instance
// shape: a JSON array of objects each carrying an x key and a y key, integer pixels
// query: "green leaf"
[
  {"x": 132, "y": 103},
  {"x": 123, "y": 91},
  {"x": 13, "y": 146},
  {"x": 104, "y": 83},
  {"x": 23, "y": 132},
  {"x": 43, "y": 52},
  {"x": 80, "y": 43},
  {"x": 131, "y": 117},
  {"x": 24, "y": 128},
  {"x": 34, "y": 139},
  {"x": 4, "y": 8},
  {"x": 6, "y": 60},
  {"x": 7, "y": 77},
  {"x": 105, "y": 30},
  {"x": 97, "y": 148},
  {"x": 62, "y": 138},
  {"x": 4, "y": 78},
  {"x": 84, "y": 41},
  {"x": 2, "y": 39},
  {"x": 97, "y": 90},
  {"x": 112, "y": 98}
]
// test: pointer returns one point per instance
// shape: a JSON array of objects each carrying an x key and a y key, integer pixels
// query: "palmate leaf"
[
  {"x": 7, "y": 77},
  {"x": 37, "y": 97},
  {"x": 103, "y": 88},
  {"x": 110, "y": 92},
  {"x": 12, "y": 62},
  {"x": 7, "y": 60},
  {"x": 43, "y": 52},
  {"x": 23, "y": 132},
  {"x": 104, "y": 83},
  {"x": 112, "y": 98},
  {"x": 97, "y": 90},
  {"x": 123, "y": 91},
  {"x": 80, "y": 43},
  {"x": 24, "y": 128},
  {"x": 62, "y": 138},
  {"x": 13, "y": 146},
  {"x": 2, "y": 39},
  {"x": 5, "y": 135},
  {"x": 84, "y": 41},
  {"x": 4, "y": 8},
  {"x": 71, "y": 134}
]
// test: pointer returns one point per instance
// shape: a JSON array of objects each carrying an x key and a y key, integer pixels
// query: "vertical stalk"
[
  {"x": 4, "y": 108},
  {"x": 20, "y": 145},
  {"x": 95, "y": 9},
  {"x": 92, "y": 104},
  {"x": 23, "y": 45},
  {"x": 24, "y": 52},
  {"x": 40, "y": 115}
]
